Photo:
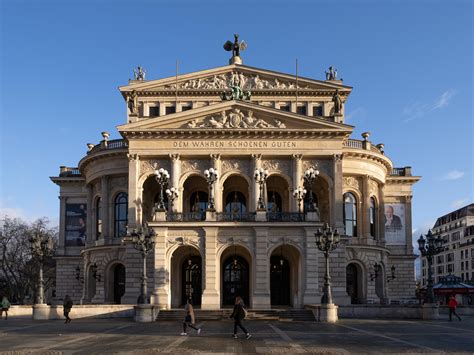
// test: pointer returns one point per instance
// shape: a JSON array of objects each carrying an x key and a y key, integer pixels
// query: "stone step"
[{"x": 270, "y": 314}]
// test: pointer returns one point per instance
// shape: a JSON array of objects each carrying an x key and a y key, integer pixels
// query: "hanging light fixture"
[{"x": 282, "y": 261}]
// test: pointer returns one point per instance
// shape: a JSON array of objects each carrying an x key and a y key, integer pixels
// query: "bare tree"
[{"x": 18, "y": 270}]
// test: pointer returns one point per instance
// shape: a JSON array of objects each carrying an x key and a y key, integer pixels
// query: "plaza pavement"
[{"x": 102, "y": 336}]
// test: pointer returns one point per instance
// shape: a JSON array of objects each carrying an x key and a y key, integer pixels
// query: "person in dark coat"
[
  {"x": 238, "y": 315},
  {"x": 189, "y": 318},
  {"x": 67, "y": 305},
  {"x": 452, "y": 304}
]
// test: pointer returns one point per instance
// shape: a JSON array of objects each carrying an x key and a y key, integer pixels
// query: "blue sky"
[{"x": 410, "y": 63}]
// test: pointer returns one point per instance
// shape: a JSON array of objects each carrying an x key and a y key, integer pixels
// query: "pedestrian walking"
[
  {"x": 239, "y": 313},
  {"x": 452, "y": 304},
  {"x": 189, "y": 319},
  {"x": 67, "y": 305},
  {"x": 4, "y": 307}
]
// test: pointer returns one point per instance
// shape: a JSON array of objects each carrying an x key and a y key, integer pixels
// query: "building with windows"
[
  {"x": 457, "y": 231},
  {"x": 259, "y": 240}
]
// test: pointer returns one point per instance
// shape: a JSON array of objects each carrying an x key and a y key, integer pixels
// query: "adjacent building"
[{"x": 258, "y": 241}]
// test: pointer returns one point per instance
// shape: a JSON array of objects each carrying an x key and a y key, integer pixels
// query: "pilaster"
[
  {"x": 90, "y": 217},
  {"x": 297, "y": 178},
  {"x": 62, "y": 222},
  {"x": 211, "y": 293},
  {"x": 175, "y": 174},
  {"x": 337, "y": 199},
  {"x": 106, "y": 234},
  {"x": 261, "y": 294},
  {"x": 216, "y": 164},
  {"x": 161, "y": 286},
  {"x": 365, "y": 208},
  {"x": 134, "y": 217},
  {"x": 408, "y": 221},
  {"x": 381, "y": 216},
  {"x": 256, "y": 164},
  {"x": 310, "y": 269}
]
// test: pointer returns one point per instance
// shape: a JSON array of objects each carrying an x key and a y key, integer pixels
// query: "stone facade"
[{"x": 270, "y": 258}]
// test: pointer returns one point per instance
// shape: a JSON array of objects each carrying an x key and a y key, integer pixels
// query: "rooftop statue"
[
  {"x": 331, "y": 74},
  {"x": 139, "y": 73},
  {"x": 235, "y": 48},
  {"x": 236, "y": 92},
  {"x": 337, "y": 102}
]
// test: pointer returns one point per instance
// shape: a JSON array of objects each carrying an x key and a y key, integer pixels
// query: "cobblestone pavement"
[{"x": 101, "y": 336}]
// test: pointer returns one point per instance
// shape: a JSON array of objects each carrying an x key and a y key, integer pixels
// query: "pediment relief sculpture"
[
  {"x": 234, "y": 119},
  {"x": 226, "y": 80}
]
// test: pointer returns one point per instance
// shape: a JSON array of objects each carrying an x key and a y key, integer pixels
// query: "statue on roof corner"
[
  {"x": 331, "y": 74},
  {"x": 235, "y": 48},
  {"x": 337, "y": 103},
  {"x": 139, "y": 73}
]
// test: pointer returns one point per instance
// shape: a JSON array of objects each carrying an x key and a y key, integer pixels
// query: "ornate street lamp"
[
  {"x": 42, "y": 246},
  {"x": 326, "y": 241},
  {"x": 299, "y": 194},
  {"x": 392, "y": 275},
  {"x": 162, "y": 177},
  {"x": 172, "y": 194},
  {"x": 429, "y": 247},
  {"x": 211, "y": 177},
  {"x": 261, "y": 176},
  {"x": 143, "y": 240},
  {"x": 309, "y": 176}
]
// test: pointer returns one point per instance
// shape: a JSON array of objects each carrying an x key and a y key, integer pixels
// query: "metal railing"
[
  {"x": 235, "y": 217},
  {"x": 185, "y": 216},
  {"x": 285, "y": 217},
  {"x": 401, "y": 171}
]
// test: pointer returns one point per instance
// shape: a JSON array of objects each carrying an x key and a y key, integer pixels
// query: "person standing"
[
  {"x": 189, "y": 318},
  {"x": 67, "y": 305},
  {"x": 452, "y": 304},
  {"x": 239, "y": 314},
  {"x": 4, "y": 307}
]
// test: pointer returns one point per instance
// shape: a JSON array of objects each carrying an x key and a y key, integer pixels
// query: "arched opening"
[
  {"x": 236, "y": 195},
  {"x": 321, "y": 199},
  {"x": 186, "y": 276},
  {"x": 118, "y": 274},
  {"x": 284, "y": 276},
  {"x": 277, "y": 194},
  {"x": 235, "y": 203},
  {"x": 98, "y": 218},
  {"x": 195, "y": 196},
  {"x": 350, "y": 214},
  {"x": 373, "y": 217},
  {"x": 354, "y": 283},
  {"x": 150, "y": 196},
  {"x": 380, "y": 283},
  {"x": 120, "y": 215},
  {"x": 235, "y": 275}
]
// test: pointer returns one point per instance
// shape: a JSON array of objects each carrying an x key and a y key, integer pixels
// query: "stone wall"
[{"x": 66, "y": 282}]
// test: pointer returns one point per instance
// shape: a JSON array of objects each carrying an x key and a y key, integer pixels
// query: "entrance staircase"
[{"x": 288, "y": 315}]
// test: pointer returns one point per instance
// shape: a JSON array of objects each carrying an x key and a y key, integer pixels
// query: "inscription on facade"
[{"x": 235, "y": 144}]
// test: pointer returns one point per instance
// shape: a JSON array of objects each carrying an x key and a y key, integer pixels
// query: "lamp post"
[
  {"x": 143, "y": 240},
  {"x": 299, "y": 193},
  {"x": 326, "y": 241},
  {"x": 309, "y": 176},
  {"x": 172, "y": 194},
  {"x": 42, "y": 246},
  {"x": 162, "y": 177},
  {"x": 211, "y": 177},
  {"x": 261, "y": 176},
  {"x": 429, "y": 246}
]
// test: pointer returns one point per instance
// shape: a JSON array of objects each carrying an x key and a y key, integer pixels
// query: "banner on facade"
[
  {"x": 394, "y": 222},
  {"x": 75, "y": 224}
]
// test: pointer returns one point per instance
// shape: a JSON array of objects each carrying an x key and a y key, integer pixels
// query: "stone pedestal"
[
  {"x": 145, "y": 313},
  {"x": 160, "y": 216},
  {"x": 312, "y": 216},
  {"x": 261, "y": 216},
  {"x": 429, "y": 311},
  {"x": 211, "y": 215},
  {"x": 328, "y": 313},
  {"x": 210, "y": 300},
  {"x": 41, "y": 311}
]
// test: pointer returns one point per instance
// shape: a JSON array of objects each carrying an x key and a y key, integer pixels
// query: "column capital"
[
  {"x": 257, "y": 156},
  {"x": 133, "y": 157},
  {"x": 297, "y": 156},
  {"x": 337, "y": 157},
  {"x": 215, "y": 156},
  {"x": 408, "y": 198},
  {"x": 174, "y": 157}
]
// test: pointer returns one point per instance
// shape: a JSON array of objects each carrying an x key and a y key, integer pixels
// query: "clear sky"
[{"x": 410, "y": 63}]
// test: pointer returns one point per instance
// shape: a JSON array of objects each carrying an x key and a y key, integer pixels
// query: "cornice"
[
  {"x": 67, "y": 180},
  {"x": 402, "y": 179},
  {"x": 255, "y": 93},
  {"x": 367, "y": 154},
  {"x": 101, "y": 155}
]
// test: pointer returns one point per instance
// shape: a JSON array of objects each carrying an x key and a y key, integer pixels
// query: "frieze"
[
  {"x": 234, "y": 119},
  {"x": 225, "y": 81},
  {"x": 182, "y": 241},
  {"x": 353, "y": 182},
  {"x": 194, "y": 165}
]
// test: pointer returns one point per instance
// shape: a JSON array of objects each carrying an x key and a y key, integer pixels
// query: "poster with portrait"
[
  {"x": 394, "y": 222},
  {"x": 75, "y": 224}
]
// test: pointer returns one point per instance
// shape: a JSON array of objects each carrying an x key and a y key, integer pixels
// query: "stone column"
[
  {"x": 216, "y": 164},
  {"x": 175, "y": 175},
  {"x": 256, "y": 164},
  {"x": 106, "y": 222},
  {"x": 365, "y": 208},
  {"x": 211, "y": 292},
  {"x": 337, "y": 200},
  {"x": 90, "y": 217},
  {"x": 408, "y": 225},
  {"x": 381, "y": 215},
  {"x": 297, "y": 180},
  {"x": 134, "y": 202},
  {"x": 62, "y": 222},
  {"x": 261, "y": 293}
]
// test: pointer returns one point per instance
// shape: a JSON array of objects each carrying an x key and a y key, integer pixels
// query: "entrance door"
[
  {"x": 235, "y": 280},
  {"x": 352, "y": 283},
  {"x": 191, "y": 280},
  {"x": 119, "y": 283},
  {"x": 279, "y": 281}
]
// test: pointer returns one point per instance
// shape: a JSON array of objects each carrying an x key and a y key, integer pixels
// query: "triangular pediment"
[
  {"x": 250, "y": 78},
  {"x": 235, "y": 116}
]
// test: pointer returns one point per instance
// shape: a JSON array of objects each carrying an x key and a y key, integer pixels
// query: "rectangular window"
[
  {"x": 455, "y": 236},
  {"x": 301, "y": 110},
  {"x": 317, "y": 111},
  {"x": 186, "y": 108},
  {"x": 440, "y": 270},
  {"x": 285, "y": 108},
  {"x": 170, "y": 109},
  {"x": 450, "y": 268},
  {"x": 154, "y": 111},
  {"x": 462, "y": 265},
  {"x": 423, "y": 262},
  {"x": 450, "y": 257},
  {"x": 440, "y": 259}
]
